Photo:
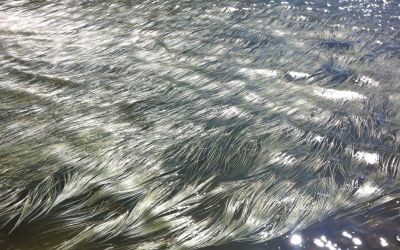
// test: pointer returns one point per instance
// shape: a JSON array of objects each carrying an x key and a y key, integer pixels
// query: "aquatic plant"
[{"x": 183, "y": 124}]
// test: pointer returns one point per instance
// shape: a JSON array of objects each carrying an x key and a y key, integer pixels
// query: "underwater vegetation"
[{"x": 191, "y": 124}]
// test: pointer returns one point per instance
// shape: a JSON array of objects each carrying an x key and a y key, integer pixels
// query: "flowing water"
[{"x": 199, "y": 124}]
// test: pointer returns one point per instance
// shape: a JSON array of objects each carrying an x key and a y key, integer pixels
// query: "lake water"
[{"x": 200, "y": 124}]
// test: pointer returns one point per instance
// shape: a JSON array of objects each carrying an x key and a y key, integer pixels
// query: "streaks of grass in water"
[{"x": 184, "y": 125}]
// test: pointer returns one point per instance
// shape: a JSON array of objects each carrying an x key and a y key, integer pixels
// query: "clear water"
[{"x": 199, "y": 124}]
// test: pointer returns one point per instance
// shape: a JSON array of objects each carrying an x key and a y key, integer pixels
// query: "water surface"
[{"x": 199, "y": 124}]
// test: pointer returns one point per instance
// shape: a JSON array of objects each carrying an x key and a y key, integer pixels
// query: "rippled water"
[{"x": 190, "y": 124}]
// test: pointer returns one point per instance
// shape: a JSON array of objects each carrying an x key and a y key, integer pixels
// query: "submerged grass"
[{"x": 174, "y": 125}]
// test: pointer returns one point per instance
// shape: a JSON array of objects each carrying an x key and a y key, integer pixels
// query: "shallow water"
[{"x": 199, "y": 124}]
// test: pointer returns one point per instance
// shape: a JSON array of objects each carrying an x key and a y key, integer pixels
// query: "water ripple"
[{"x": 180, "y": 124}]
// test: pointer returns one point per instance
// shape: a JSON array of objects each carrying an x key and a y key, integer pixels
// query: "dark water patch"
[{"x": 336, "y": 45}]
